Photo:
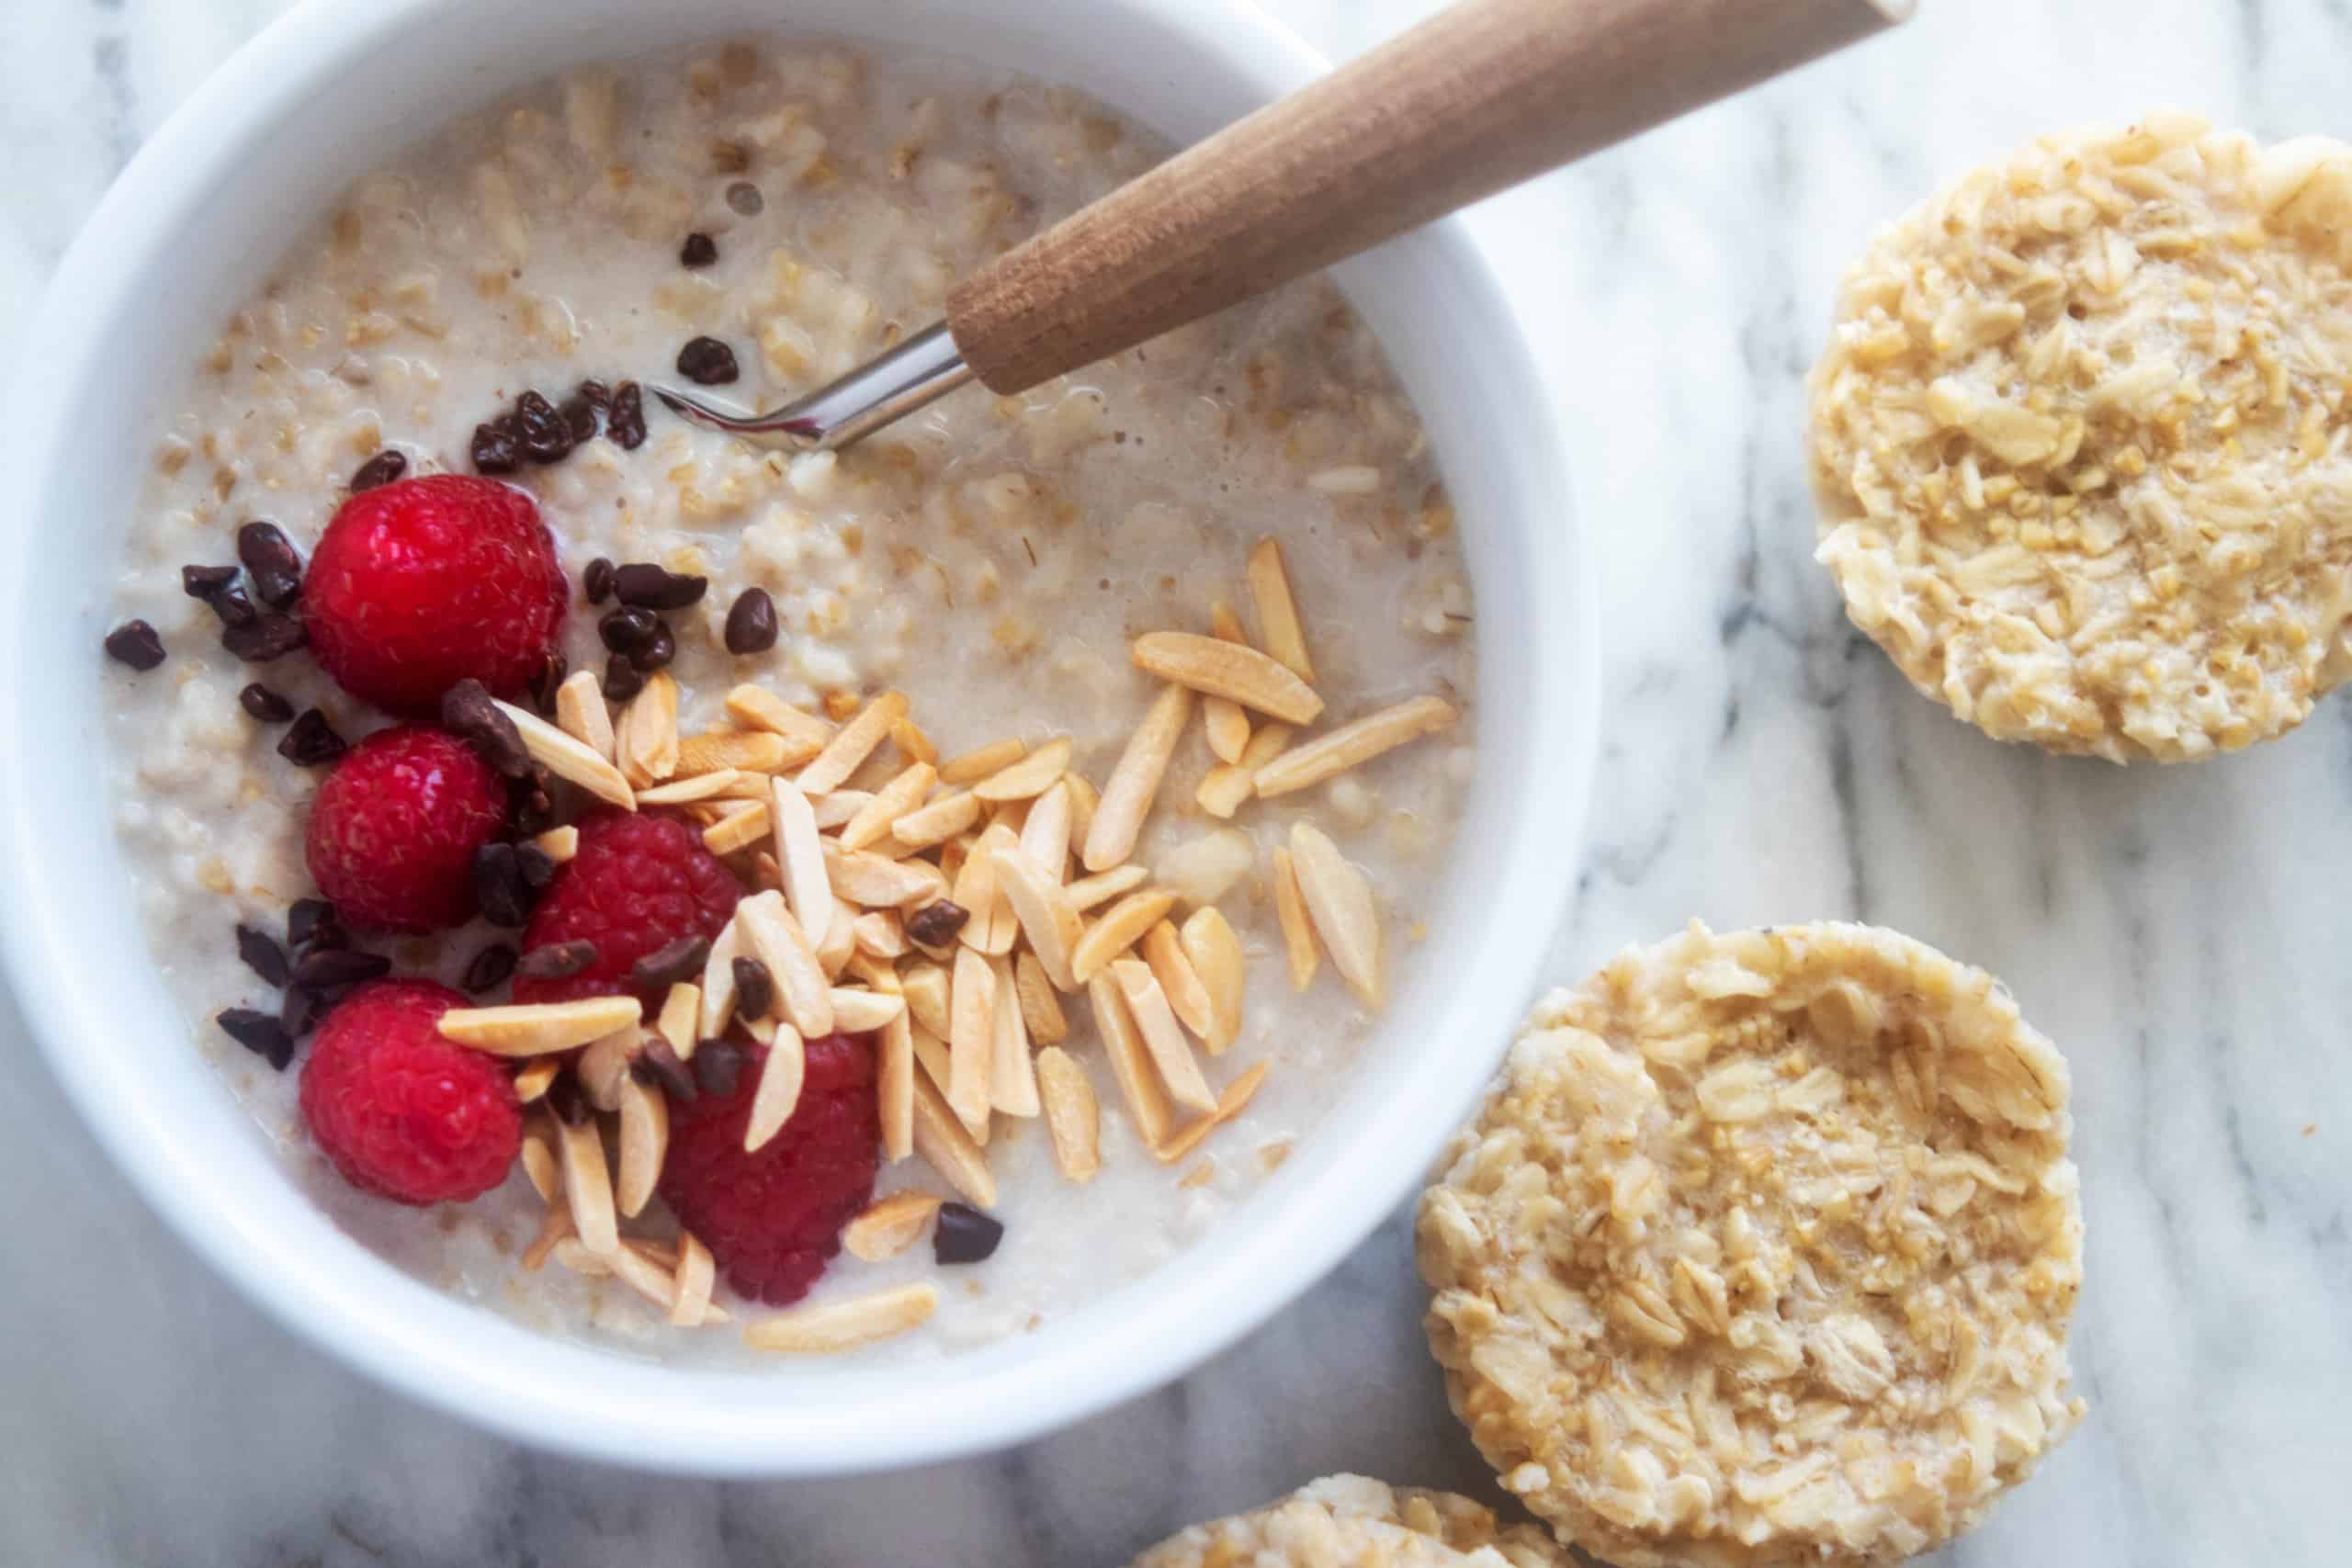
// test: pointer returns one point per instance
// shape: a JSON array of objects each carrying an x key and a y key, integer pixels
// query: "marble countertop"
[{"x": 2182, "y": 933}]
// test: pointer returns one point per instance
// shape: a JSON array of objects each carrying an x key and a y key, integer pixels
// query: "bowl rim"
[{"x": 395, "y": 1342}]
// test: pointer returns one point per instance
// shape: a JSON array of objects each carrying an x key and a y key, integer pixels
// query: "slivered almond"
[
  {"x": 760, "y": 1029},
  {"x": 779, "y": 1091},
  {"x": 1227, "y": 726},
  {"x": 746, "y": 751},
  {"x": 778, "y": 941},
  {"x": 1012, "y": 1077},
  {"x": 558, "y": 844},
  {"x": 645, "y": 1141},
  {"x": 645, "y": 741},
  {"x": 1053, "y": 927},
  {"x": 681, "y": 1016},
  {"x": 1084, "y": 798},
  {"x": 718, "y": 985},
  {"x": 744, "y": 825},
  {"x": 538, "y": 1029},
  {"x": 880, "y": 934},
  {"x": 756, "y": 707},
  {"x": 888, "y": 1226},
  {"x": 1104, "y": 886},
  {"x": 1073, "y": 1119},
  {"x": 603, "y": 1066},
  {"x": 539, "y": 1160},
  {"x": 531, "y": 1083},
  {"x": 588, "y": 1187},
  {"x": 937, "y": 822},
  {"x": 1040, "y": 1008},
  {"x": 893, "y": 800},
  {"x": 871, "y": 882},
  {"x": 555, "y": 1229},
  {"x": 718, "y": 783},
  {"x": 1188, "y": 997},
  {"x": 992, "y": 925},
  {"x": 1130, "y": 1060},
  {"x": 1277, "y": 610},
  {"x": 839, "y": 947},
  {"x": 925, "y": 987},
  {"x": 912, "y": 743},
  {"x": 970, "y": 767},
  {"x": 1033, "y": 774},
  {"x": 697, "y": 1272},
  {"x": 948, "y": 1149},
  {"x": 859, "y": 1011},
  {"x": 1225, "y": 788},
  {"x": 1227, "y": 670},
  {"x": 1215, "y": 953},
  {"x": 744, "y": 784},
  {"x": 856, "y": 741},
  {"x": 801, "y": 855},
  {"x": 1044, "y": 835},
  {"x": 1127, "y": 797},
  {"x": 1155, "y": 1022},
  {"x": 895, "y": 1087},
  {"x": 570, "y": 759},
  {"x": 581, "y": 713},
  {"x": 834, "y": 809},
  {"x": 931, "y": 1054},
  {"x": 1224, "y": 625},
  {"x": 1229, "y": 1104},
  {"x": 1121, "y": 926},
  {"x": 1298, "y": 936},
  {"x": 971, "y": 1038},
  {"x": 845, "y": 1325},
  {"x": 1354, "y": 744},
  {"x": 1340, "y": 900}
]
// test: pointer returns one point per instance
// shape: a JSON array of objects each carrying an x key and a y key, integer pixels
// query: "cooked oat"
[{"x": 1348, "y": 1521}]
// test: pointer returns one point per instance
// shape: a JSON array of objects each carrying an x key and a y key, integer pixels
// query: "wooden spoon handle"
[{"x": 1480, "y": 96}]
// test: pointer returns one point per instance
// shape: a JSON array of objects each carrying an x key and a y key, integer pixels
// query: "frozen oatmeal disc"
[
  {"x": 1762, "y": 1252},
  {"x": 2081, "y": 444},
  {"x": 1349, "y": 1521}
]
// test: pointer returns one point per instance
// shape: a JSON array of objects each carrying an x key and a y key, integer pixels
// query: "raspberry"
[
  {"x": 773, "y": 1219},
  {"x": 394, "y": 829},
  {"x": 401, "y": 1112},
  {"x": 634, "y": 885},
  {"x": 417, "y": 584}
]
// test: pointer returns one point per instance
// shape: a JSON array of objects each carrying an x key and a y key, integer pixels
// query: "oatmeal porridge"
[{"x": 1063, "y": 775}]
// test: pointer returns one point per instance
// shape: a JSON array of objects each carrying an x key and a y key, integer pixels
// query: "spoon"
[{"x": 1480, "y": 98}]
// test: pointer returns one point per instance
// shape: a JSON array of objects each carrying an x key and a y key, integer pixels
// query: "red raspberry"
[
  {"x": 773, "y": 1219},
  {"x": 417, "y": 584},
  {"x": 394, "y": 829},
  {"x": 401, "y": 1112},
  {"x": 636, "y": 884}
]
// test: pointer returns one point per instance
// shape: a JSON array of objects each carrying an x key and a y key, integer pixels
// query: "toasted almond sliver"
[
  {"x": 1277, "y": 610},
  {"x": 555, "y": 1229},
  {"x": 538, "y": 1159},
  {"x": 895, "y": 1087},
  {"x": 1084, "y": 798},
  {"x": 912, "y": 743},
  {"x": 538, "y": 1029},
  {"x": 854, "y": 743},
  {"x": 1224, "y": 789},
  {"x": 1155, "y": 1022},
  {"x": 892, "y": 801},
  {"x": 1352, "y": 744},
  {"x": 745, "y": 750},
  {"x": 937, "y": 822},
  {"x": 718, "y": 985},
  {"x": 1130, "y": 1061},
  {"x": 880, "y": 933},
  {"x": 681, "y": 1017},
  {"x": 1340, "y": 900},
  {"x": 645, "y": 741},
  {"x": 930, "y": 1054},
  {"x": 1224, "y": 625},
  {"x": 697, "y": 1272},
  {"x": 1040, "y": 1008},
  {"x": 711, "y": 785},
  {"x": 1227, "y": 726},
  {"x": 941, "y": 1140},
  {"x": 601, "y": 1069},
  {"x": 576, "y": 1256},
  {"x": 971, "y": 1038},
  {"x": 970, "y": 767},
  {"x": 558, "y": 844},
  {"x": 570, "y": 759},
  {"x": 976, "y": 891},
  {"x": 588, "y": 1187},
  {"x": 581, "y": 713},
  {"x": 1188, "y": 997},
  {"x": 857, "y": 1011},
  {"x": 743, "y": 825},
  {"x": 801, "y": 858},
  {"x": 845, "y": 1325},
  {"x": 779, "y": 1091},
  {"x": 888, "y": 1226},
  {"x": 1032, "y": 776},
  {"x": 760, "y": 1029},
  {"x": 645, "y": 1142},
  {"x": 840, "y": 946},
  {"x": 1227, "y": 670},
  {"x": 777, "y": 939},
  {"x": 925, "y": 987},
  {"x": 1229, "y": 1104},
  {"x": 1216, "y": 954},
  {"x": 756, "y": 707},
  {"x": 1046, "y": 833},
  {"x": 1053, "y": 927},
  {"x": 640, "y": 1266},
  {"x": 1134, "y": 781},
  {"x": 531, "y": 1082},
  {"x": 1298, "y": 936},
  {"x": 1121, "y": 926},
  {"x": 871, "y": 882},
  {"x": 1100, "y": 888},
  {"x": 834, "y": 809},
  {"x": 1073, "y": 1119},
  {"x": 1012, "y": 1075}
]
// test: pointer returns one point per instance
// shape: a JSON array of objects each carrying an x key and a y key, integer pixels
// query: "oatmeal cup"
[{"x": 829, "y": 678}]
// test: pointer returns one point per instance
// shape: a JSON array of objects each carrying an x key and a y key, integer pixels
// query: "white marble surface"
[{"x": 2183, "y": 934}]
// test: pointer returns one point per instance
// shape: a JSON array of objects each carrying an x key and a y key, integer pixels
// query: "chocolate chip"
[
  {"x": 496, "y": 448},
  {"x": 962, "y": 1235},
  {"x": 543, "y": 433},
  {"x": 530, "y": 801},
  {"x": 706, "y": 362},
  {"x": 557, "y": 960},
  {"x": 597, "y": 581},
  {"x": 580, "y": 418},
  {"x": 260, "y": 1034},
  {"x": 263, "y": 955},
  {"x": 264, "y": 638},
  {"x": 659, "y": 1065},
  {"x": 569, "y": 1105},
  {"x": 233, "y": 608},
  {"x": 498, "y": 887},
  {"x": 270, "y": 561},
  {"x": 312, "y": 741},
  {"x": 326, "y": 968},
  {"x": 203, "y": 581},
  {"x": 626, "y": 423},
  {"x": 489, "y": 967},
  {"x": 553, "y": 668},
  {"x": 627, "y": 628},
  {"x": 135, "y": 643},
  {"x": 718, "y": 1063},
  {"x": 657, "y": 587},
  {"x": 596, "y": 394},
  {"x": 312, "y": 922},
  {"x": 469, "y": 713},
  {"x": 745, "y": 197},
  {"x": 935, "y": 924},
  {"x": 622, "y": 679},
  {"x": 381, "y": 470},
  {"x": 751, "y": 622},
  {"x": 754, "y": 988},
  {"x": 662, "y": 648},
  {"x": 265, "y": 704},
  {"x": 537, "y": 867},
  {"x": 302, "y": 1009},
  {"x": 700, "y": 250},
  {"x": 670, "y": 963}
]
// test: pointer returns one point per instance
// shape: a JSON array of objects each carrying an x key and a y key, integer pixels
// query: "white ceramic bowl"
[{"x": 332, "y": 90}]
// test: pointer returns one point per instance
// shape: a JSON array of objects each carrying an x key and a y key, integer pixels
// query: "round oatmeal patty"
[
  {"x": 2081, "y": 444},
  {"x": 1762, "y": 1252},
  {"x": 1349, "y": 1521}
]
